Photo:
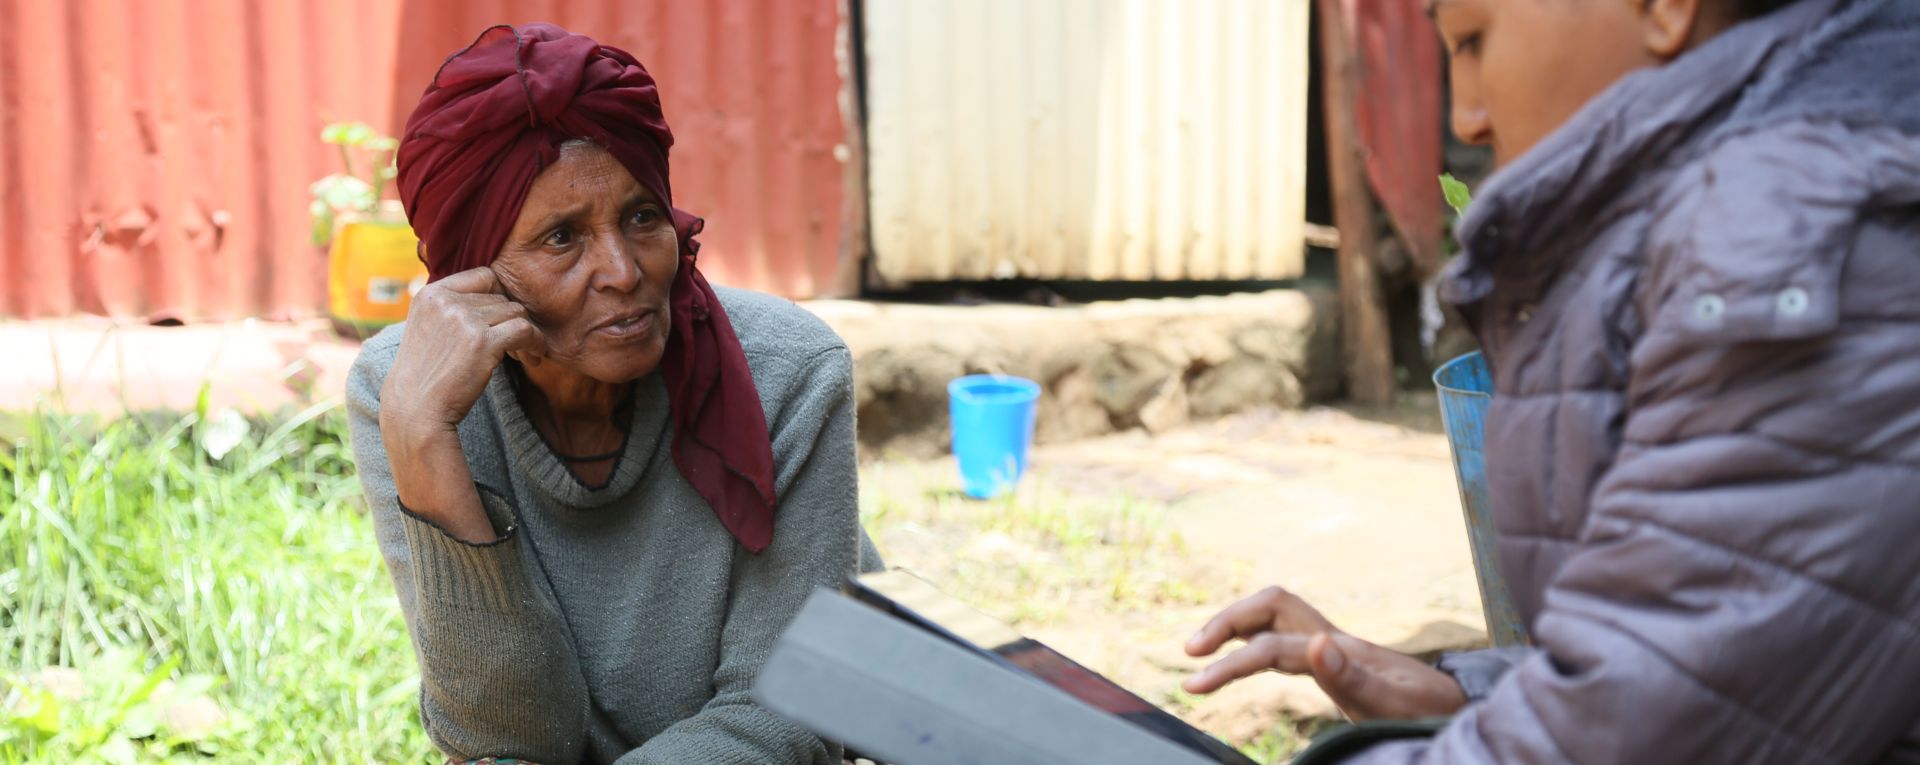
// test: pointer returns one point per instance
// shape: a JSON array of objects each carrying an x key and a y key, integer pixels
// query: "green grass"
[
  {"x": 1036, "y": 555},
  {"x": 253, "y": 577},
  {"x": 170, "y": 559}
]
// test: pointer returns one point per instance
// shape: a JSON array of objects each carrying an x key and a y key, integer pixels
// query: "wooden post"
[
  {"x": 1366, "y": 338},
  {"x": 849, "y": 277}
]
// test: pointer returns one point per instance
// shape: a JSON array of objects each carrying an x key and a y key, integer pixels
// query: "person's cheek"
[
  {"x": 663, "y": 258},
  {"x": 521, "y": 287},
  {"x": 556, "y": 303}
]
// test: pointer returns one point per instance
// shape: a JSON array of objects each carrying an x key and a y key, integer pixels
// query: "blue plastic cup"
[
  {"x": 992, "y": 428},
  {"x": 1466, "y": 388}
]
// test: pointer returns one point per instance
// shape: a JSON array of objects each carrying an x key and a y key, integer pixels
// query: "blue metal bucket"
[
  {"x": 1466, "y": 387},
  {"x": 993, "y": 418}
]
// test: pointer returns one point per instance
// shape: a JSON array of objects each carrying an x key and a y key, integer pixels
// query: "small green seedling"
[
  {"x": 347, "y": 190},
  {"x": 1458, "y": 197}
]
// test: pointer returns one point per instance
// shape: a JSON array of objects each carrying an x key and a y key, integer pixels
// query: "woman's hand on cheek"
[
  {"x": 1285, "y": 634},
  {"x": 458, "y": 330}
]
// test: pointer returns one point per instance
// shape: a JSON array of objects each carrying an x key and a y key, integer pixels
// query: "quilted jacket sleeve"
[{"x": 1747, "y": 588}]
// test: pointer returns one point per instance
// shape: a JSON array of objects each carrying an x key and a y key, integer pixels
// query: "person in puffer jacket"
[{"x": 1696, "y": 277}]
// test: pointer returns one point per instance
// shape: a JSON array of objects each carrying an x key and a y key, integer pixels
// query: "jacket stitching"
[
  {"x": 1849, "y": 456},
  {"x": 1911, "y": 628},
  {"x": 1534, "y": 710},
  {"x": 1561, "y": 392},
  {"x": 1776, "y": 728}
]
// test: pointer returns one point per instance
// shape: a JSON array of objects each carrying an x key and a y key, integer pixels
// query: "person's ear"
[{"x": 1668, "y": 26}]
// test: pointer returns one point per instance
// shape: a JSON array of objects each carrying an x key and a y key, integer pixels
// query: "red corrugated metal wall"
[
  {"x": 1399, "y": 113},
  {"x": 154, "y": 156}
]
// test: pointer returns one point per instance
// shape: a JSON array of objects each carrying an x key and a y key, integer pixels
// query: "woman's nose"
[
  {"x": 617, "y": 263},
  {"x": 1470, "y": 123}
]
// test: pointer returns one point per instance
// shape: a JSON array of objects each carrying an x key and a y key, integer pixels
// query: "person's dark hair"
[{"x": 1756, "y": 8}]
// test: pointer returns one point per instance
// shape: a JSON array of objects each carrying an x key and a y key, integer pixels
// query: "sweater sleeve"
[
  {"x": 1478, "y": 671},
  {"x": 817, "y": 542},
  {"x": 498, "y": 676}
]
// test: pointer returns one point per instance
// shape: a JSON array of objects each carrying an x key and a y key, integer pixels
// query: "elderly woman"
[{"x": 601, "y": 486}]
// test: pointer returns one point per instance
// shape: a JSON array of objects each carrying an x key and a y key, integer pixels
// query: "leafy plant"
[
  {"x": 238, "y": 558},
  {"x": 114, "y": 712},
  {"x": 349, "y": 190},
  {"x": 1457, "y": 194}
]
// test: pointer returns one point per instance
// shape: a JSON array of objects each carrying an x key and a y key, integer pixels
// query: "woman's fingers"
[
  {"x": 1283, "y": 633},
  {"x": 1368, "y": 681},
  {"x": 471, "y": 281},
  {"x": 516, "y": 335},
  {"x": 1344, "y": 680},
  {"x": 496, "y": 312},
  {"x": 1278, "y": 627},
  {"x": 444, "y": 300},
  {"x": 1267, "y": 651},
  {"x": 1267, "y": 610},
  {"x": 1248, "y": 617},
  {"x": 458, "y": 329}
]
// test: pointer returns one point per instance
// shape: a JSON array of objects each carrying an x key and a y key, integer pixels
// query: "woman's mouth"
[{"x": 626, "y": 325}]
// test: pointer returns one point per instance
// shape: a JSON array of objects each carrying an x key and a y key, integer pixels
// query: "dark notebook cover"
[{"x": 913, "y": 600}]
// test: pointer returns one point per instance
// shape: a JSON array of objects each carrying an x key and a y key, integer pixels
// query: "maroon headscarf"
[{"x": 493, "y": 118}]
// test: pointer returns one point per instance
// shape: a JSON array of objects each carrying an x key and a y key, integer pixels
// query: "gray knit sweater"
[{"x": 621, "y": 623}]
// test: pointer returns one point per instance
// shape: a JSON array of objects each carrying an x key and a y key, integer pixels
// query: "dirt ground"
[{"x": 1357, "y": 511}]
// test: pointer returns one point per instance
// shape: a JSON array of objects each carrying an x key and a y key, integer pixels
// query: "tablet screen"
[{"x": 912, "y": 599}]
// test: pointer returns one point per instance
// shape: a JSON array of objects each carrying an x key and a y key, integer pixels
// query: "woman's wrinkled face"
[
  {"x": 592, "y": 257},
  {"x": 1522, "y": 68}
]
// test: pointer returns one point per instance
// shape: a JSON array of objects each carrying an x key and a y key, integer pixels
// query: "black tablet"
[{"x": 913, "y": 600}]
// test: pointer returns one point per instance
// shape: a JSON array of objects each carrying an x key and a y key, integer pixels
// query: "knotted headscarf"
[{"x": 493, "y": 118}]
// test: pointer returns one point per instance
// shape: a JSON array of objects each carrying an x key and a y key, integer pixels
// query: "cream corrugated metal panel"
[{"x": 1125, "y": 140}]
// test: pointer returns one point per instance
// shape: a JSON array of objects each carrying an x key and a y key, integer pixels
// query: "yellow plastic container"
[{"x": 373, "y": 270}]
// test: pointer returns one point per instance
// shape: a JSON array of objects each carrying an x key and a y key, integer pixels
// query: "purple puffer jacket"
[{"x": 1701, "y": 302}]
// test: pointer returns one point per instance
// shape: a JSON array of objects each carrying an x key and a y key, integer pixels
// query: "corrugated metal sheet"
[
  {"x": 154, "y": 156},
  {"x": 750, "y": 88},
  {"x": 1398, "y": 113},
  {"x": 1086, "y": 139}
]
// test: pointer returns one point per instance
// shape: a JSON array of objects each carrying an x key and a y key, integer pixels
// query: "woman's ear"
[{"x": 1672, "y": 27}]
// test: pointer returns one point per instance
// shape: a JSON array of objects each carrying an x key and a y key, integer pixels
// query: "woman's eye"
[
  {"x": 559, "y": 238},
  {"x": 646, "y": 216},
  {"x": 1468, "y": 45}
]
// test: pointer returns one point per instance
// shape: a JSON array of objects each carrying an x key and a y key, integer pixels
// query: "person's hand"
[
  {"x": 1284, "y": 634},
  {"x": 458, "y": 330}
]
